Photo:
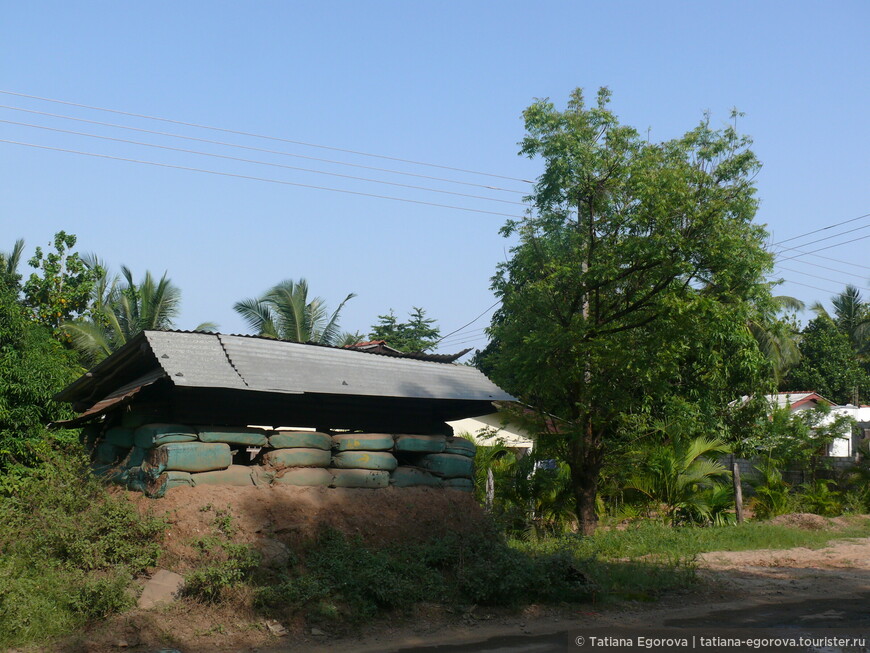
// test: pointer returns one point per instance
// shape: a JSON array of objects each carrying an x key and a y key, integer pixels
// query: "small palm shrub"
[
  {"x": 817, "y": 497},
  {"x": 772, "y": 493}
]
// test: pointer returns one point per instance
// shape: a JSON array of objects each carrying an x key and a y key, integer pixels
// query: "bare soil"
[{"x": 729, "y": 581}]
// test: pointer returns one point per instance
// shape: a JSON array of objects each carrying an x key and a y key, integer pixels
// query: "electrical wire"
[
  {"x": 496, "y": 303},
  {"x": 821, "y": 240},
  {"x": 816, "y": 276},
  {"x": 253, "y": 178},
  {"x": 264, "y": 163},
  {"x": 830, "y": 226},
  {"x": 820, "y": 249},
  {"x": 262, "y": 136},
  {"x": 260, "y": 149}
]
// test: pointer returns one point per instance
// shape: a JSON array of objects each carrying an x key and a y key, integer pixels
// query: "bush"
[{"x": 68, "y": 550}]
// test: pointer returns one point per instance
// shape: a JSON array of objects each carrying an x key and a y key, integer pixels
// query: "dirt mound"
[
  {"x": 294, "y": 515},
  {"x": 803, "y": 520}
]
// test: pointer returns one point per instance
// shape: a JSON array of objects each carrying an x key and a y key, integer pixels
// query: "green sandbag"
[
  {"x": 152, "y": 435},
  {"x": 363, "y": 442},
  {"x": 188, "y": 457},
  {"x": 261, "y": 476},
  {"x": 413, "y": 477},
  {"x": 464, "y": 484},
  {"x": 235, "y": 475},
  {"x": 119, "y": 436},
  {"x": 157, "y": 487},
  {"x": 109, "y": 453},
  {"x": 311, "y": 476},
  {"x": 448, "y": 465},
  {"x": 365, "y": 478},
  {"x": 136, "y": 457},
  {"x": 420, "y": 443},
  {"x": 365, "y": 460},
  {"x": 460, "y": 446},
  {"x": 300, "y": 440},
  {"x": 233, "y": 435},
  {"x": 281, "y": 458}
]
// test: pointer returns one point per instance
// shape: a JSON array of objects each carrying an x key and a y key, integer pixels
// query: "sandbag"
[
  {"x": 360, "y": 478},
  {"x": 311, "y": 476},
  {"x": 119, "y": 436},
  {"x": 420, "y": 443},
  {"x": 448, "y": 465},
  {"x": 109, "y": 453},
  {"x": 152, "y": 435},
  {"x": 300, "y": 440},
  {"x": 413, "y": 477},
  {"x": 463, "y": 484},
  {"x": 235, "y": 475},
  {"x": 136, "y": 457},
  {"x": 281, "y": 458},
  {"x": 460, "y": 446},
  {"x": 89, "y": 436},
  {"x": 365, "y": 460},
  {"x": 261, "y": 476},
  {"x": 363, "y": 442},
  {"x": 188, "y": 457},
  {"x": 233, "y": 435},
  {"x": 155, "y": 488}
]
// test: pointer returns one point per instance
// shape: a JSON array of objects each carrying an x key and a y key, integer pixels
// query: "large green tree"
[
  {"x": 828, "y": 365},
  {"x": 285, "y": 312},
  {"x": 630, "y": 290},
  {"x": 418, "y": 333},
  {"x": 33, "y": 367}
]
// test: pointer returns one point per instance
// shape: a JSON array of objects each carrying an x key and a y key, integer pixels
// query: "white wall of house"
[{"x": 490, "y": 429}]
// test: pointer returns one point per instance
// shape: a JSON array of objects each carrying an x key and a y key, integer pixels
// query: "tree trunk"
[{"x": 585, "y": 462}]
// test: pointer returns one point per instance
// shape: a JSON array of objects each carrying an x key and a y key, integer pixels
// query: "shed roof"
[{"x": 250, "y": 363}]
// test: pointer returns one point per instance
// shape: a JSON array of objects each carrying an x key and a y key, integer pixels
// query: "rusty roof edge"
[{"x": 112, "y": 360}]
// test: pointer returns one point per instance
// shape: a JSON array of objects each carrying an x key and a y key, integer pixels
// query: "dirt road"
[{"x": 755, "y": 595}]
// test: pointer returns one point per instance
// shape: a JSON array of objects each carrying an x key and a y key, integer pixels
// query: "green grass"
[{"x": 655, "y": 540}]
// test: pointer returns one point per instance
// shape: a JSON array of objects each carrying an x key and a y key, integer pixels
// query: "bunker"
[{"x": 175, "y": 408}]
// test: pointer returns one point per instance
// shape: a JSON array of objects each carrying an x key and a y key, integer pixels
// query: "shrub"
[{"x": 68, "y": 550}]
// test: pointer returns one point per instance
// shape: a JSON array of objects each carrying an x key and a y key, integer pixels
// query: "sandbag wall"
[{"x": 155, "y": 457}]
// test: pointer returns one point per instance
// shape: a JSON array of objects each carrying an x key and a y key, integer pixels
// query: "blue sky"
[{"x": 440, "y": 83}]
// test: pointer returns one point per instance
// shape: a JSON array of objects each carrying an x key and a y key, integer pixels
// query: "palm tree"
[
  {"x": 777, "y": 339},
  {"x": 286, "y": 313},
  {"x": 119, "y": 311},
  {"x": 851, "y": 315},
  {"x": 9, "y": 262},
  {"x": 679, "y": 474}
]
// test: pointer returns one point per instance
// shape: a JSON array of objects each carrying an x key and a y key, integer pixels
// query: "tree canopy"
[
  {"x": 631, "y": 289},
  {"x": 829, "y": 364},
  {"x": 418, "y": 334}
]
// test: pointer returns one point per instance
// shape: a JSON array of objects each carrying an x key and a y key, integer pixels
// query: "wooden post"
[{"x": 738, "y": 490}]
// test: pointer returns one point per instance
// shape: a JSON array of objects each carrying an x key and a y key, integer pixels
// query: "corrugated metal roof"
[
  {"x": 279, "y": 366},
  {"x": 210, "y": 360},
  {"x": 193, "y": 359}
]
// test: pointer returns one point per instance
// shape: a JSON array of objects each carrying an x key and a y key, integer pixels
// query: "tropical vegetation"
[{"x": 286, "y": 312}]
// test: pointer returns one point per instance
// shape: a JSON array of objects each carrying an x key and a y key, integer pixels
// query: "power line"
[
  {"x": 263, "y": 136},
  {"x": 806, "y": 285},
  {"x": 816, "y": 276},
  {"x": 253, "y": 178},
  {"x": 264, "y": 163},
  {"x": 838, "y": 270},
  {"x": 821, "y": 240},
  {"x": 820, "y": 249},
  {"x": 830, "y": 226},
  {"x": 260, "y": 149},
  {"x": 829, "y": 258},
  {"x": 497, "y": 302}
]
